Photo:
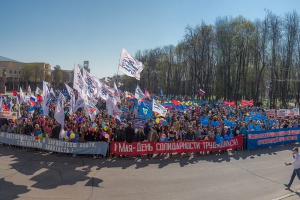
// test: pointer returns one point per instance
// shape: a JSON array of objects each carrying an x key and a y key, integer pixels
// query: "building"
[{"x": 17, "y": 76}]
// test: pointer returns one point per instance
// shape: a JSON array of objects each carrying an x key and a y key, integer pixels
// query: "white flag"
[
  {"x": 1, "y": 102},
  {"x": 156, "y": 107},
  {"x": 72, "y": 99},
  {"x": 116, "y": 94},
  {"x": 18, "y": 107},
  {"x": 128, "y": 95},
  {"x": 29, "y": 92},
  {"x": 59, "y": 113},
  {"x": 45, "y": 88},
  {"x": 113, "y": 110},
  {"x": 22, "y": 96},
  {"x": 80, "y": 102},
  {"x": 78, "y": 82},
  {"x": 90, "y": 83},
  {"x": 46, "y": 99},
  {"x": 52, "y": 92},
  {"x": 139, "y": 94},
  {"x": 130, "y": 66},
  {"x": 38, "y": 91},
  {"x": 91, "y": 110}
]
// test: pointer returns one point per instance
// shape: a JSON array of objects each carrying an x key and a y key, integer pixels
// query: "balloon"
[
  {"x": 218, "y": 136},
  {"x": 74, "y": 140},
  {"x": 91, "y": 129},
  {"x": 94, "y": 125},
  {"x": 36, "y": 137},
  {"x": 226, "y": 137},
  {"x": 68, "y": 134},
  {"x": 217, "y": 141},
  {"x": 105, "y": 128},
  {"x": 230, "y": 135},
  {"x": 106, "y": 136},
  {"x": 103, "y": 134},
  {"x": 206, "y": 138},
  {"x": 166, "y": 139},
  {"x": 103, "y": 124},
  {"x": 77, "y": 136},
  {"x": 43, "y": 134},
  {"x": 37, "y": 133},
  {"x": 165, "y": 123},
  {"x": 161, "y": 121},
  {"x": 221, "y": 140},
  {"x": 157, "y": 120},
  {"x": 95, "y": 129},
  {"x": 40, "y": 136},
  {"x": 72, "y": 136}
]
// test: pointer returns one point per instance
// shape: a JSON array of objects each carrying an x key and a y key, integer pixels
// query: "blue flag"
[{"x": 145, "y": 112}]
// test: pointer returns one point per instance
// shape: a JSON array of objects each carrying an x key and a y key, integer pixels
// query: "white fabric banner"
[
  {"x": 59, "y": 113},
  {"x": 156, "y": 107},
  {"x": 130, "y": 66}
]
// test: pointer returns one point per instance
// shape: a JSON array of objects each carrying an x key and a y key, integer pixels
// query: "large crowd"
[{"x": 199, "y": 121}]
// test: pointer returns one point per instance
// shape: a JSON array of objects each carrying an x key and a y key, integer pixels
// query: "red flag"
[
  {"x": 229, "y": 103},
  {"x": 176, "y": 103},
  {"x": 15, "y": 93},
  {"x": 247, "y": 103}
]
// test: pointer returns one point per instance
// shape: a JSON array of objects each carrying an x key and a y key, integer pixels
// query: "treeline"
[{"x": 233, "y": 59}]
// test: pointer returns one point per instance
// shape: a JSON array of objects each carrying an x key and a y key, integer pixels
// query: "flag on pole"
[
  {"x": 91, "y": 110},
  {"x": 38, "y": 91},
  {"x": 28, "y": 92},
  {"x": 156, "y": 107},
  {"x": 22, "y": 96},
  {"x": 130, "y": 66},
  {"x": 91, "y": 83},
  {"x": 113, "y": 110},
  {"x": 80, "y": 102},
  {"x": 46, "y": 100},
  {"x": 59, "y": 113},
  {"x": 145, "y": 111},
  {"x": 139, "y": 93},
  {"x": 147, "y": 94},
  {"x": 201, "y": 92},
  {"x": 18, "y": 108},
  {"x": 72, "y": 98},
  {"x": 78, "y": 82}
]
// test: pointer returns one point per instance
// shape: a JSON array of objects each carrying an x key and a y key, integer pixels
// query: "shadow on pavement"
[{"x": 50, "y": 171}]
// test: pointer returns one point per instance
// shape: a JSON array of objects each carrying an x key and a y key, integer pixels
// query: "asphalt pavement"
[{"x": 259, "y": 174}]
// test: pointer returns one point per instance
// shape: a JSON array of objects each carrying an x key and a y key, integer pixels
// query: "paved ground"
[{"x": 244, "y": 175}]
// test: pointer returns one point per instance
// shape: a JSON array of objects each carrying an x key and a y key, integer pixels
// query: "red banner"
[
  {"x": 137, "y": 148},
  {"x": 230, "y": 103},
  {"x": 247, "y": 103}
]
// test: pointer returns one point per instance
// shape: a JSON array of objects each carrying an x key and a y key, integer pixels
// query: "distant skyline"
[{"x": 68, "y": 32}]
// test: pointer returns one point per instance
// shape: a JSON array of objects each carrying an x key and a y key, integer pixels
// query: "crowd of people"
[{"x": 201, "y": 122}]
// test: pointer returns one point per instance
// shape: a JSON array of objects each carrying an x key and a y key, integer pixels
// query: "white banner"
[{"x": 8, "y": 115}]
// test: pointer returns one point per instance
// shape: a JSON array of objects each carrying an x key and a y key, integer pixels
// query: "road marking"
[{"x": 285, "y": 196}]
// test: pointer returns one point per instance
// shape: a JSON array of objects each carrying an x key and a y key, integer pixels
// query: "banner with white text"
[
  {"x": 274, "y": 137},
  {"x": 137, "y": 148},
  {"x": 54, "y": 145}
]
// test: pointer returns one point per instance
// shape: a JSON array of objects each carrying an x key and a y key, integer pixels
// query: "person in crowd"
[
  {"x": 152, "y": 137},
  {"x": 129, "y": 132}
]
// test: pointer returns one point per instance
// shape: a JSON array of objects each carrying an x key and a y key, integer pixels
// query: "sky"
[{"x": 68, "y": 32}]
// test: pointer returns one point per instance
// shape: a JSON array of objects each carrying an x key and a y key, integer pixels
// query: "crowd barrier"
[
  {"x": 54, "y": 145},
  {"x": 274, "y": 137},
  {"x": 139, "y": 148}
]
